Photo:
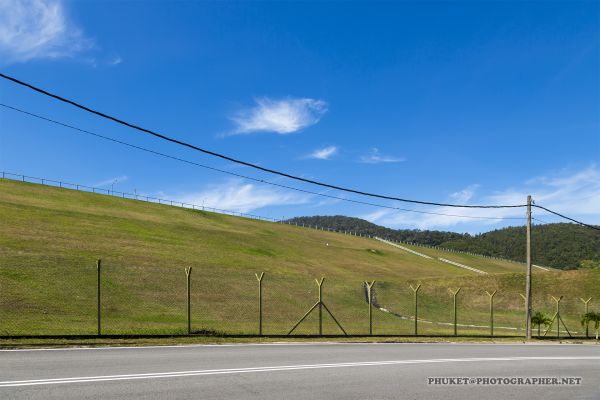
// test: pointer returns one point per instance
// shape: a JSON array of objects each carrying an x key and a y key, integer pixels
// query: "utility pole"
[{"x": 528, "y": 279}]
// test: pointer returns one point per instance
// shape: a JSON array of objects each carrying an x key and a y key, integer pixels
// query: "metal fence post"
[
  {"x": 260, "y": 309},
  {"x": 416, "y": 292},
  {"x": 558, "y": 319},
  {"x": 320, "y": 305},
  {"x": 188, "y": 272},
  {"x": 557, "y": 315},
  {"x": 455, "y": 319},
  {"x": 586, "y": 302},
  {"x": 491, "y": 295},
  {"x": 98, "y": 316},
  {"x": 370, "y": 300},
  {"x": 525, "y": 300}
]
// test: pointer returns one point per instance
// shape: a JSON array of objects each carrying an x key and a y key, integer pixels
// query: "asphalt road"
[{"x": 299, "y": 371}]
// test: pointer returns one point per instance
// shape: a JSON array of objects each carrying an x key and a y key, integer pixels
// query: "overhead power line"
[
  {"x": 237, "y": 161},
  {"x": 539, "y": 220},
  {"x": 80, "y": 130},
  {"x": 567, "y": 218}
]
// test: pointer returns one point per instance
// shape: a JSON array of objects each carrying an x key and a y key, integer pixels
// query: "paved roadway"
[{"x": 296, "y": 371}]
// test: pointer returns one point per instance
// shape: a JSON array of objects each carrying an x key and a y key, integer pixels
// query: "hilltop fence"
[
  {"x": 102, "y": 299},
  {"x": 176, "y": 203}
]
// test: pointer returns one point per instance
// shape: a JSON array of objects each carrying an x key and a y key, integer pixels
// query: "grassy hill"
[
  {"x": 563, "y": 245},
  {"x": 51, "y": 237}
]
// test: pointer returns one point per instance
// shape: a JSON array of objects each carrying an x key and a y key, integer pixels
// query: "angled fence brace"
[
  {"x": 586, "y": 302},
  {"x": 416, "y": 294},
  {"x": 370, "y": 301},
  {"x": 455, "y": 319},
  {"x": 188, "y": 272},
  {"x": 259, "y": 278},
  {"x": 558, "y": 319},
  {"x": 491, "y": 295},
  {"x": 320, "y": 305}
]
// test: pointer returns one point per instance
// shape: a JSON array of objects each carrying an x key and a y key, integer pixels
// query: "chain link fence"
[{"x": 131, "y": 301}]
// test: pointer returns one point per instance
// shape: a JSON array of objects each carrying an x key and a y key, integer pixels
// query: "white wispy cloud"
[
  {"x": 107, "y": 182},
  {"x": 243, "y": 197},
  {"x": 323, "y": 154},
  {"x": 37, "y": 29},
  {"x": 280, "y": 116},
  {"x": 574, "y": 193},
  {"x": 463, "y": 196},
  {"x": 375, "y": 157},
  {"x": 571, "y": 192},
  {"x": 116, "y": 60}
]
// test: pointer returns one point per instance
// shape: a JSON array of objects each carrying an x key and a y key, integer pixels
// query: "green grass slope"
[
  {"x": 51, "y": 237},
  {"x": 559, "y": 245}
]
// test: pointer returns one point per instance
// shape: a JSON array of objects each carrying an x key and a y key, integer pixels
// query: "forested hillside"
[
  {"x": 563, "y": 245},
  {"x": 342, "y": 223}
]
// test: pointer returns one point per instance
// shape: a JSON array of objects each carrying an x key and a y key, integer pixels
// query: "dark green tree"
[
  {"x": 591, "y": 317},
  {"x": 539, "y": 319}
]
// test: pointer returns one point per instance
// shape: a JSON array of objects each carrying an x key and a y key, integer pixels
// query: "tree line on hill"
[{"x": 561, "y": 245}]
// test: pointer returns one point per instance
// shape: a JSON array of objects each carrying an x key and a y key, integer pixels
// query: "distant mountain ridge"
[{"x": 560, "y": 245}]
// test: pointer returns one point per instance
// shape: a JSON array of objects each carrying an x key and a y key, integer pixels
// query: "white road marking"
[{"x": 177, "y": 374}]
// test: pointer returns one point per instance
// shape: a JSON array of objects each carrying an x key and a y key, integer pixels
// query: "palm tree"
[
  {"x": 539, "y": 319},
  {"x": 591, "y": 317}
]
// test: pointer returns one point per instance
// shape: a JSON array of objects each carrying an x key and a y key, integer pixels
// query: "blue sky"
[{"x": 473, "y": 102}]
